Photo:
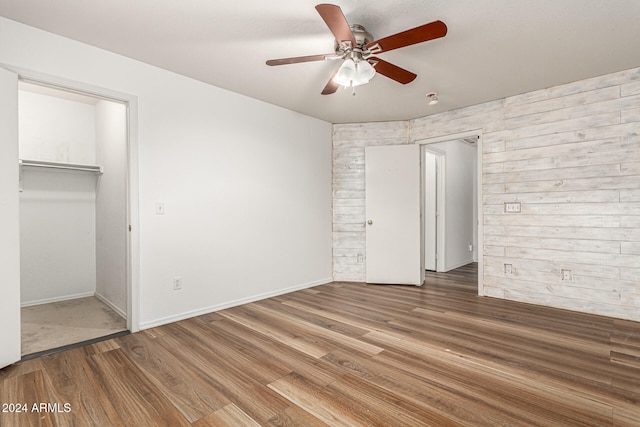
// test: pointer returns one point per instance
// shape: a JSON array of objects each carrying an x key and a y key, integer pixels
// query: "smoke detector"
[{"x": 432, "y": 98}]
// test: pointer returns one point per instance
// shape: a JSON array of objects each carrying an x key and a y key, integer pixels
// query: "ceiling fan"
[{"x": 356, "y": 47}]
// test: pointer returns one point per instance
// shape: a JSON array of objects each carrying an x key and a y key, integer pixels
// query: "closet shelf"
[{"x": 61, "y": 165}]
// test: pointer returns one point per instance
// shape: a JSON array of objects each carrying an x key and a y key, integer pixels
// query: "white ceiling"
[{"x": 493, "y": 49}]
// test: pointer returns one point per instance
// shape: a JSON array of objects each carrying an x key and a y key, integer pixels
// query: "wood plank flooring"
[{"x": 347, "y": 354}]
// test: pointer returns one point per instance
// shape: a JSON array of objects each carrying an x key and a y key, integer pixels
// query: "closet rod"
[{"x": 57, "y": 165}]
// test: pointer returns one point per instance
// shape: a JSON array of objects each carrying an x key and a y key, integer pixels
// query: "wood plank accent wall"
[
  {"x": 571, "y": 156},
  {"x": 349, "y": 141}
]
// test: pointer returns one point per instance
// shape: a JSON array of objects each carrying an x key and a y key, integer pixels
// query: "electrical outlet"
[
  {"x": 177, "y": 283},
  {"x": 566, "y": 274},
  {"x": 512, "y": 207},
  {"x": 360, "y": 258},
  {"x": 508, "y": 269}
]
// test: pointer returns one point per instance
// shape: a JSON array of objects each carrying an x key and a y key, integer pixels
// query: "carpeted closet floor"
[{"x": 57, "y": 324}]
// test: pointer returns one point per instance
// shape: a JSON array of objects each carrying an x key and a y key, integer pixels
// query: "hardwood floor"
[{"x": 347, "y": 354}]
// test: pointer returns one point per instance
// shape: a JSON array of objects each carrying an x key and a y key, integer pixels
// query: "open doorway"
[
  {"x": 432, "y": 165},
  {"x": 73, "y": 216},
  {"x": 450, "y": 168}
]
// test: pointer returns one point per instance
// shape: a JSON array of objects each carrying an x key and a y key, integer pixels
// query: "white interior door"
[
  {"x": 393, "y": 208},
  {"x": 9, "y": 221}
]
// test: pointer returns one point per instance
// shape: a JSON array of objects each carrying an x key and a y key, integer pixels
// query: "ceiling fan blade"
[
  {"x": 298, "y": 59},
  {"x": 331, "y": 86},
  {"x": 337, "y": 23},
  {"x": 394, "y": 72},
  {"x": 420, "y": 34}
]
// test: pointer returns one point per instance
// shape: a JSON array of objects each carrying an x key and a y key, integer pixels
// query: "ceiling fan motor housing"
[{"x": 362, "y": 36}]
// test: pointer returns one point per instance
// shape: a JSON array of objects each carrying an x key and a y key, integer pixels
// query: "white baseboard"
[
  {"x": 57, "y": 299},
  {"x": 206, "y": 310},
  {"x": 453, "y": 267},
  {"x": 111, "y": 306}
]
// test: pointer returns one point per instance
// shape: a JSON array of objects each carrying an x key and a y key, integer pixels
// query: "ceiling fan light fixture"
[
  {"x": 352, "y": 73},
  {"x": 346, "y": 74},
  {"x": 365, "y": 71}
]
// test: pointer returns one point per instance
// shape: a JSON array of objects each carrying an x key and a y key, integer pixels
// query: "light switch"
[{"x": 159, "y": 208}]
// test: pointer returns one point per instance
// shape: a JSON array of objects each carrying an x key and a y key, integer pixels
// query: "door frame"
[
  {"x": 440, "y": 205},
  {"x": 132, "y": 262},
  {"x": 479, "y": 164}
]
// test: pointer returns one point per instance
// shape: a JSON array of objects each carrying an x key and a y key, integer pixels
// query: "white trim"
[
  {"x": 111, "y": 306},
  {"x": 422, "y": 217},
  {"x": 441, "y": 206},
  {"x": 44, "y": 79},
  {"x": 450, "y": 137},
  {"x": 133, "y": 218},
  {"x": 480, "y": 231},
  {"x": 133, "y": 241},
  {"x": 453, "y": 267},
  {"x": 57, "y": 299},
  {"x": 480, "y": 249},
  {"x": 241, "y": 301}
]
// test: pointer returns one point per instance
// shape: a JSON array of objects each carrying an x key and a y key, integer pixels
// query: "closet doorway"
[{"x": 73, "y": 217}]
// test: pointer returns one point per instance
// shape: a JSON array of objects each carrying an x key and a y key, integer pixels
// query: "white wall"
[
  {"x": 57, "y": 235},
  {"x": 56, "y": 129},
  {"x": 111, "y": 205},
  {"x": 57, "y": 208},
  {"x": 247, "y": 185}
]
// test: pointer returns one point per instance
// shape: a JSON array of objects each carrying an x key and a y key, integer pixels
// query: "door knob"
[{"x": 369, "y": 222}]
